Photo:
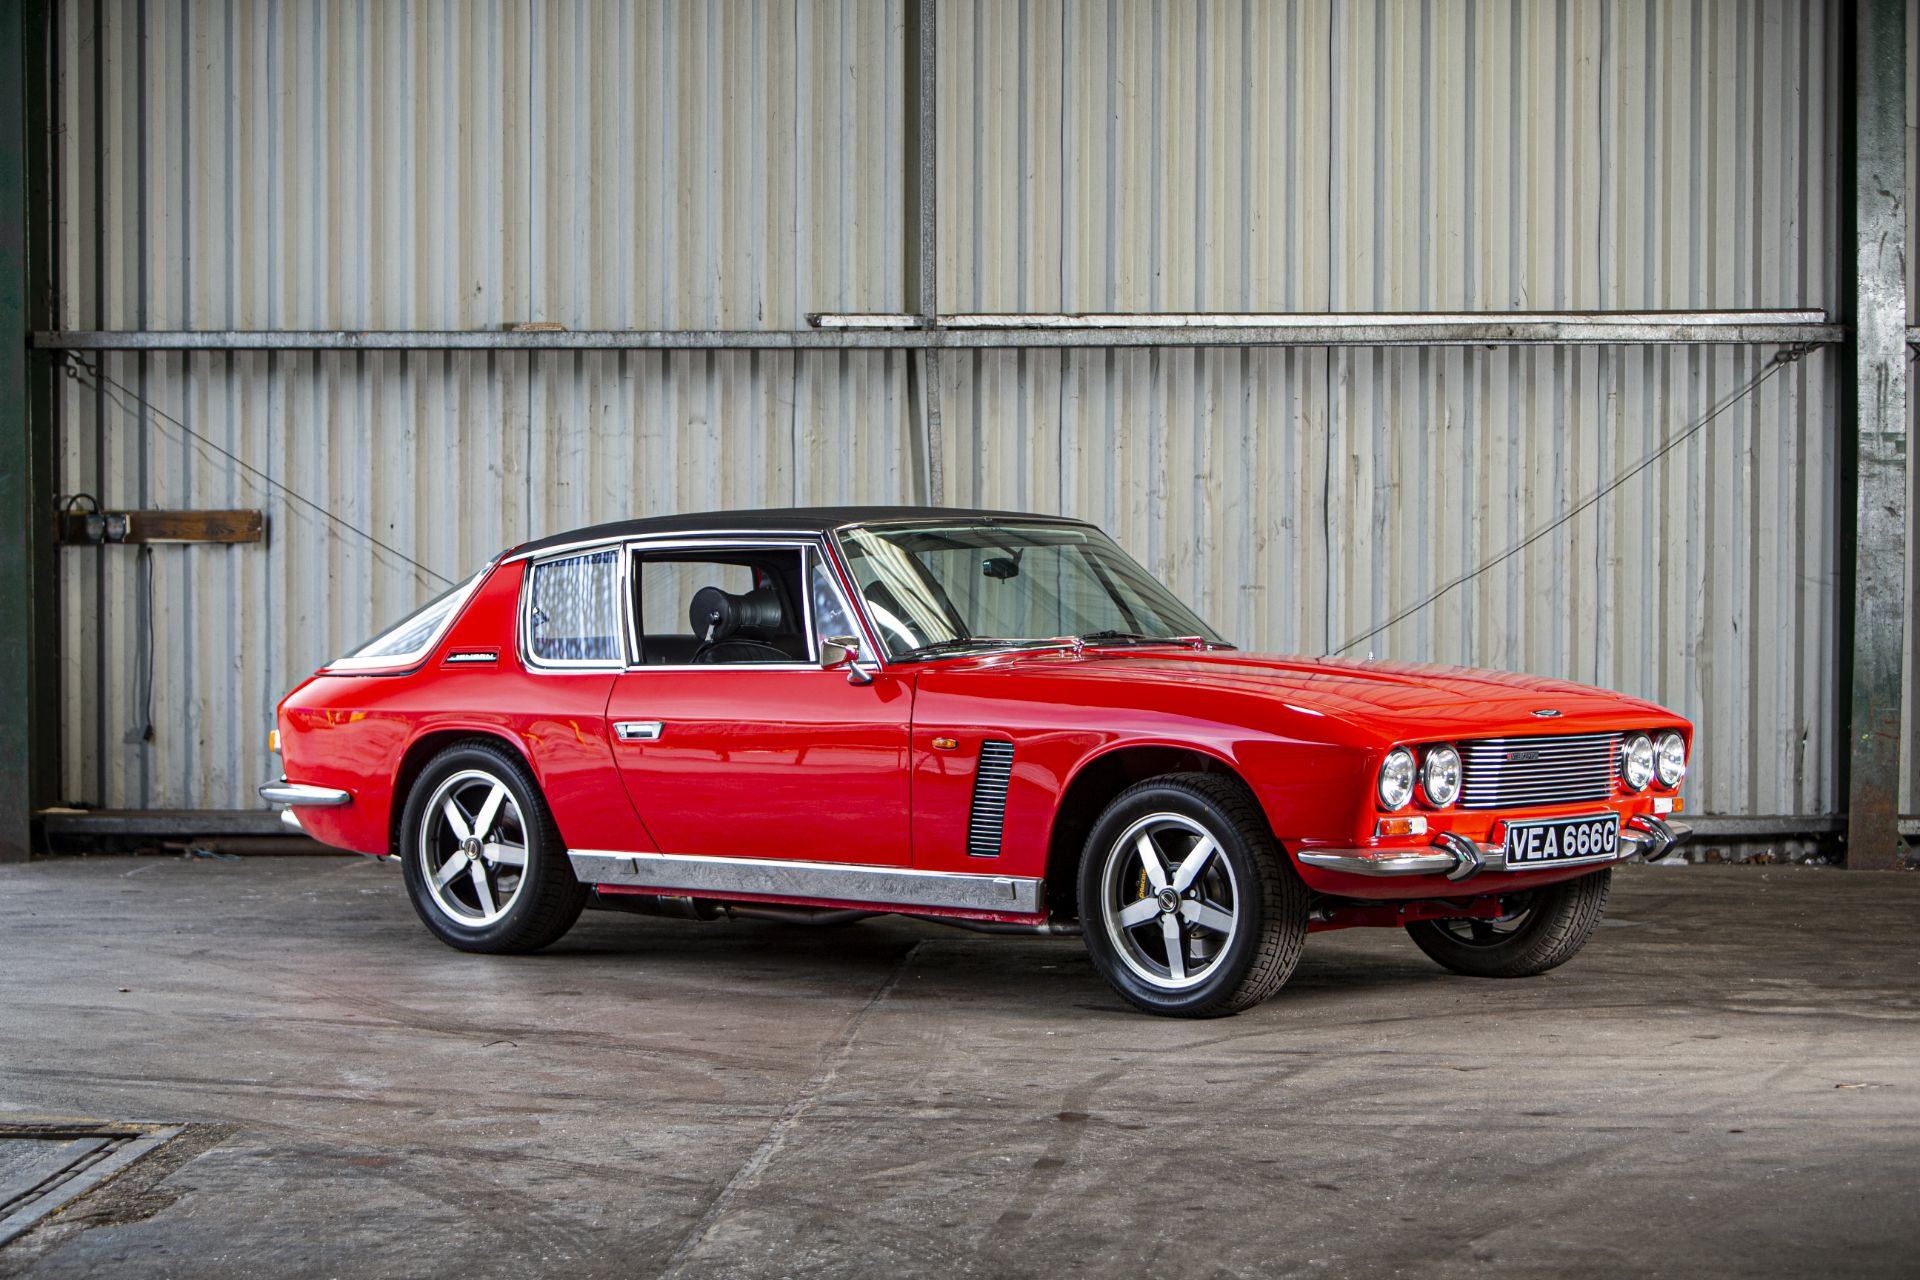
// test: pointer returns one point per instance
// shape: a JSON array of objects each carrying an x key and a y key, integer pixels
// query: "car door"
[{"x": 730, "y": 738}]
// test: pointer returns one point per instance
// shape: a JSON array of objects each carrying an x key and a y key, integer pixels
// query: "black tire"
[
  {"x": 1546, "y": 928},
  {"x": 1268, "y": 907},
  {"x": 543, "y": 897}
]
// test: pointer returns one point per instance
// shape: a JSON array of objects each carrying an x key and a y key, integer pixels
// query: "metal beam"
[
  {"x": 1765, "y": 826},
  {"x": 163, "y": 822},
  {"x": 1312, "y": 332},
  {"x": 1338, "y": 319},
  {"x": 28, "y": 571},
  {"x": 1875, "y": 461},
  {"x": 923, "y": 239}
]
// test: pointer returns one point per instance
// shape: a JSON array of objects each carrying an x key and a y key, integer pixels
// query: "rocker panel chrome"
[{"x": 833, "y": 881}]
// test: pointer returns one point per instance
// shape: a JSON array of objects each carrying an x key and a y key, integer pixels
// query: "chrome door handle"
[{"x": 637, "y": 730}]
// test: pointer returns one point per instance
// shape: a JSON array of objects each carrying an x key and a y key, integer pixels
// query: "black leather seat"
[{"x": 738, "y": 628}]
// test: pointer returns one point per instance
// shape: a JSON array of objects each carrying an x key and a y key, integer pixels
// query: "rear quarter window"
[{"x": 573, "y": 609}]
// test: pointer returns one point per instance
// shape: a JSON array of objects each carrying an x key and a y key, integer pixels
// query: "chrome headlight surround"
[
  {"x": 1669, "y": 758},
  {"x": 1395, "y": 784},
  {"x": 1440, "y": 776},
  {"x": 1636, "y": 761}
]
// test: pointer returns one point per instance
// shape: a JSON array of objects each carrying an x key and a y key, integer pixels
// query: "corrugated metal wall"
[
  {"x": 738, "y": 165},
  {"x": 1386, "y": 155}
]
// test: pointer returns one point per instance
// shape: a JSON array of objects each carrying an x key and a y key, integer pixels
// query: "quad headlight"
[
  {"x": 1669, "y": 759},
  {"x": 1396, "y": 779},
  {"x": 1636, "y": 761},
  {"x": 1440, "y": 776}
]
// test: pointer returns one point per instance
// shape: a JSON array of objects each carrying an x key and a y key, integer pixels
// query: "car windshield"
[{"x": 951, "y": 588}]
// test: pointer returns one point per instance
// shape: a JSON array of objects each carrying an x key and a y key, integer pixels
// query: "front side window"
[
  {"x": 729, "y": 606},
  {"x": 830, "y": 618},
  {"x": 573, "y": 609},
  {"x": 940, "y": 588}
]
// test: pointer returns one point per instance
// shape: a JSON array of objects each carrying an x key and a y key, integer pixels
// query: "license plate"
[{"x": 1556, "y": 840}]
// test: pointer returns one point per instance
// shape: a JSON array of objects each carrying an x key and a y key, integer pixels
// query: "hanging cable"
[
  {"x": 1781, "y": 359},
  {"x": 102, "y": 381},
  {"x": 146, "y": 719}
]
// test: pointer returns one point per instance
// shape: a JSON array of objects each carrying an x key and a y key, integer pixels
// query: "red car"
[{"x": 996, "y": 720}]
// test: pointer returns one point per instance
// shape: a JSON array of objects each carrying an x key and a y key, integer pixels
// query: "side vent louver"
[{"x": 989, "y": 813}]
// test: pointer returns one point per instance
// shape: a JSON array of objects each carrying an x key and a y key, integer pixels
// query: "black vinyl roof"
[{"x": 812, "y": 520}]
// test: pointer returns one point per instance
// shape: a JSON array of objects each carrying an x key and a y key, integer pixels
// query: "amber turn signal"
[
  {"x": 1410, "y": 826},
  {"x": 273, "y": 741}
]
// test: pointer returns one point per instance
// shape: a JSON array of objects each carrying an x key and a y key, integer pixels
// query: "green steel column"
[
  {"x": 1874, "y": 438},
  {"x": 27, "y": 567}
]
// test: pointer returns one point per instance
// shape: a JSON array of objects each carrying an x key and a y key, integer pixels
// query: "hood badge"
[{"x": 1546, "y": 713}]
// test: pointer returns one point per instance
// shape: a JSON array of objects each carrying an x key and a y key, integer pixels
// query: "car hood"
[{"x": 1396, "y": 700}]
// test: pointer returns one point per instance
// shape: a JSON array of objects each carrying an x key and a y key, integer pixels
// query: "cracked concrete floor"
[{"x": 1723, "y": 1084}]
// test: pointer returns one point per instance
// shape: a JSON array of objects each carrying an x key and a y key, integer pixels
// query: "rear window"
[{"x": 408, "y": 640}]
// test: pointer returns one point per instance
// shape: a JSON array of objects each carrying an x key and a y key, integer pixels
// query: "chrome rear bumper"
[
  {"x": 284, "y": 792},
  {"x": 298, "y": 795},
  {"x": 1458, "y": 858}
]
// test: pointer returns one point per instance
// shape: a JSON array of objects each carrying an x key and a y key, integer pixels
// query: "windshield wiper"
[
  {"x": 961, "y": 642},
  {"x": 1114, "y": 636}
]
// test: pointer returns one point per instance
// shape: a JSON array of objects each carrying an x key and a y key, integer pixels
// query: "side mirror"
[{"x": 844, "y": 651}]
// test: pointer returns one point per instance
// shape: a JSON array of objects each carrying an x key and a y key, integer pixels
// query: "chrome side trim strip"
[
  {"x": 284, "y": 792},
  {"x": 833, "y": 881}
]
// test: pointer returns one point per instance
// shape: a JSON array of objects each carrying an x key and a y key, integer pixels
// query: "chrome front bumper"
[{"x": 1458, "y": 858}]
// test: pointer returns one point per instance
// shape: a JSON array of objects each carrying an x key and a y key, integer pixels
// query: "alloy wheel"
[
  {"x": 473, "y": 848},
  {"x": 1169, "y": 902}
]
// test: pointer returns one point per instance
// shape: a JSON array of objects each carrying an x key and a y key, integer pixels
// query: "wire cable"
[
  {"x": 146, "y": 564},
  {"x": 102, "y": 381},
  {"x": 1781, "y": 359}
]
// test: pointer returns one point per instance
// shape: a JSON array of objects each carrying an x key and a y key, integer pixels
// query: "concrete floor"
[{"x": 1725, "y": 1083}]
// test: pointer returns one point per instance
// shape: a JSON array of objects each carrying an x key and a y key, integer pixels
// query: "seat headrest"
[{"x": 718, "y": 615}]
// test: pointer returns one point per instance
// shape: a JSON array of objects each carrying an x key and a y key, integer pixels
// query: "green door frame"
[{"x": 29, "y": 578}]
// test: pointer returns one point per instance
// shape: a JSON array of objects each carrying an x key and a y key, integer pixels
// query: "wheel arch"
[
  {"x": 1092, "y": 787},
  {"x": 424, "y": 748}
]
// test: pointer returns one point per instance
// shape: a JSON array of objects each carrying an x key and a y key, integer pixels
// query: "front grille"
[
  {"x": 989, "y": 799},
  {"x": 1501, "y": 773}
]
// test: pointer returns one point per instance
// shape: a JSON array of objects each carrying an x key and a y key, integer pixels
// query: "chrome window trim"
[
  {"x": 619, "y": 539},
  {"x": 807, "y": 544},
  {"x": 901, "y": 522},
  {"x": 523, "y": 618},
  {"x": 1033, "y": 644},
  {"x": 834, "y": 881}
]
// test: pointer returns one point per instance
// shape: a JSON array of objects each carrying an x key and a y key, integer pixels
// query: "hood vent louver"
[{"x": 988, "y": 816}]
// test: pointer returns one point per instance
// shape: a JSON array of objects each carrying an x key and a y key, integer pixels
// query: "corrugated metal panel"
[
  {"x": 1374, "y": 155},
  {"x": 735, "y": 164},
  {"x": 447, "y": 457},
  {"x": 413, "y": 166},
  {"x": 1300, "y": 498}
]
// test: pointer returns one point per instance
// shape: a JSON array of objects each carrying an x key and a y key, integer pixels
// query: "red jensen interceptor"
[{"x": 993, "y": 719}]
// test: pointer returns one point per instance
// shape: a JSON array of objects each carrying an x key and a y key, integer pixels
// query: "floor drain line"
[{"x": 47, "y": 1164}]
